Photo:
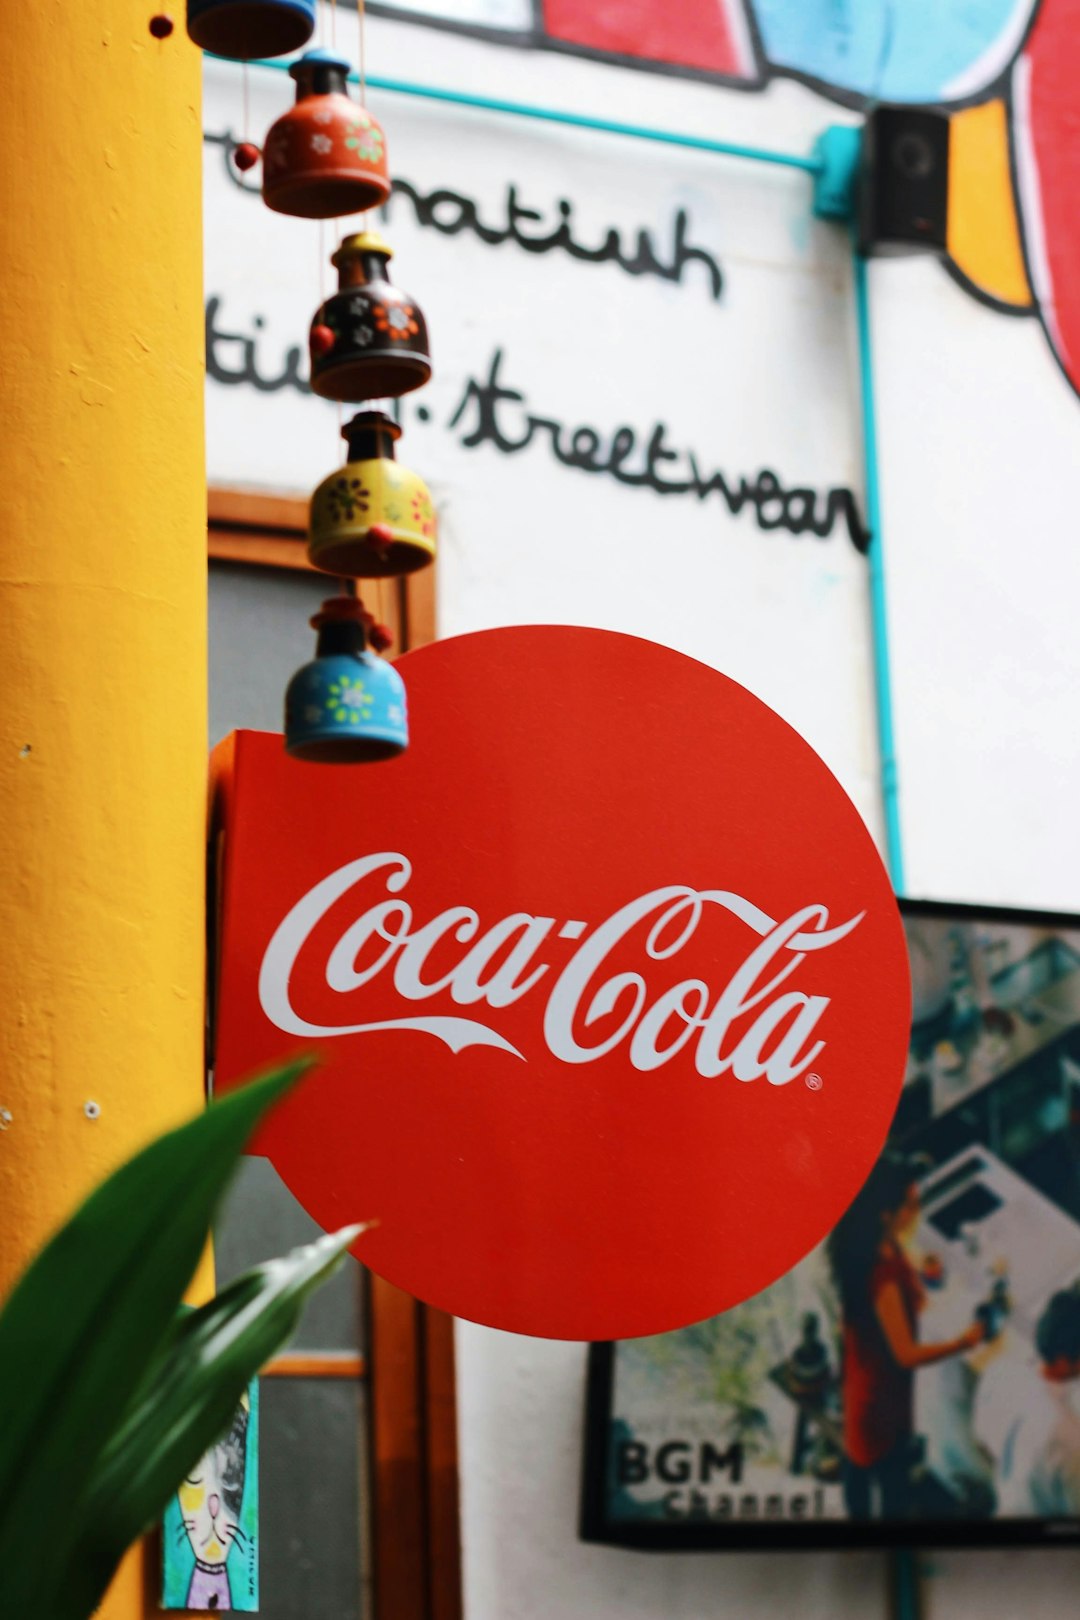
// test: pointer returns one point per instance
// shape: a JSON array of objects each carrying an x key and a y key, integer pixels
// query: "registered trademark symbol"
[{"x": 815, "y": 1082}]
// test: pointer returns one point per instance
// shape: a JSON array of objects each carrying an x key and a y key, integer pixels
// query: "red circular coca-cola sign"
[{"x": 606, "y": 976}]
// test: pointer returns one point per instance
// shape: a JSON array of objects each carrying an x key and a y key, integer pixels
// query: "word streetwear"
[
  {"x": 776, "y": 1026},
  {"x": 798, "y": 511}
]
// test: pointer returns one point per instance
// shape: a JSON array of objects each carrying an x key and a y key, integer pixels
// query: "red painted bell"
[
  {"x": 327, "y": 155},
  {"x": 379, "y": 347}
]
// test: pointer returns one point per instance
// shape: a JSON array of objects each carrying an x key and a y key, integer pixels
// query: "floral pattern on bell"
[
  {"x": 346, "y": 497},
  {"x": 365, "y": 138},
  {"x": 423, "y": 513},
  {"x": 368, "y": 723},
  {"x": 349, "y": 696},
  {"x": 395, "y": 321}
]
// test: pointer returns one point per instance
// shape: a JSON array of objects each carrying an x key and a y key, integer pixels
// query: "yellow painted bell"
[{"x": 373, "y": 519}]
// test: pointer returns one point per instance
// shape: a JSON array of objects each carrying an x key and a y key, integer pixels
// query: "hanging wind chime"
[{"x": 372, "y": 519}]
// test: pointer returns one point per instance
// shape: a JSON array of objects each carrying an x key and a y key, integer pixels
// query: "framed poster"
[{"x": 917, "y": 1377}]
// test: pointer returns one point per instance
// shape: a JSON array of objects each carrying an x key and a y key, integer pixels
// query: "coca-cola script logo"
[
  {"x": 503, "y": 966},
  {"x": 606, "y": 975}
]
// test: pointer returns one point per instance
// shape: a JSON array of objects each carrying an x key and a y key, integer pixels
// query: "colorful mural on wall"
[
  {"x": 1005, "y": 68},
  {"x": 210, "y": 1532}
]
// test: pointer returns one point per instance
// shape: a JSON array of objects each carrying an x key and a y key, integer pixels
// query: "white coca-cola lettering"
[{"x": 778, "y": 1043}]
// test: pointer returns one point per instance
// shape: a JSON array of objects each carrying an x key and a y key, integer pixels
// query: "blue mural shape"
[{"x": 894, "y": 50}]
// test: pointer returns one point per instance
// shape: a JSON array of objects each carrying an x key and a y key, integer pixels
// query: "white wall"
[{"x": 980, "y": 443}]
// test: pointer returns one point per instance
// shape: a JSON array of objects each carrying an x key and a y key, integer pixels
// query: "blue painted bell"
[
  {"x": 245, "y": 29},
  {"x": 368, "y": 340},
  {"x": 347, "y": 707}
]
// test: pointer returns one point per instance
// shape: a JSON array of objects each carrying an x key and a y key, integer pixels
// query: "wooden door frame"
[{"x": 409, "y": 1366}]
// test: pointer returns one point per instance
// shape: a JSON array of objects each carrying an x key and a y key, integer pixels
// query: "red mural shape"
[
  {"x": 713, "y": 36},
  {"x": 1048, "y": 161}
]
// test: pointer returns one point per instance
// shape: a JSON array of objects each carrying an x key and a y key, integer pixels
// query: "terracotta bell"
[
  {"x": 245, "y": 29},
  {"x": 373, "y": 518},
  {"x": 368, "y": 341},
  {"x": 327, "y": 155},
  {"x": 347, "y": 706}
]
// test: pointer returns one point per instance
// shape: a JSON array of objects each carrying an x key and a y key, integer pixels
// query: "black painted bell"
[
  {"x": 368, "y": 341},
  {"x": 244, "y": 29}
]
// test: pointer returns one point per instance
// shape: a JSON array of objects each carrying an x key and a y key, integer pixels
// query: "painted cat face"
[{"x": 212, "y": 1494}]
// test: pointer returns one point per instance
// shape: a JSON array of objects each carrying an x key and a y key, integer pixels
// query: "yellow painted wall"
[{"x": 102, "y": 607}]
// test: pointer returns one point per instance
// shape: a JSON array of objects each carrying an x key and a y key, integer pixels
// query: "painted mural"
[
  {"x": 1006, "y": 69},
  {"x": 210, "y": 1533}
]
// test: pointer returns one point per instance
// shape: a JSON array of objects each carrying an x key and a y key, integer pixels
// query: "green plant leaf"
[
  {"x": 186, "y": 1402},
  {"x": 84, "y": 1321}
]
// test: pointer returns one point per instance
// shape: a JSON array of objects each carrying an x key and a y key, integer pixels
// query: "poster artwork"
[
  {"x": 921, "y": 1367},
  {"x": 210, "y": 1532}
]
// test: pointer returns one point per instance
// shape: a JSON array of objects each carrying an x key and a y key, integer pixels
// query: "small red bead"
[
  {"x": 380, "y": 536},
  {"x": 322, "y": 340},
  {"x": 381, "y": 637},
  {"x": 161, "y": 26},
  {"x": 246, "y": 156}
]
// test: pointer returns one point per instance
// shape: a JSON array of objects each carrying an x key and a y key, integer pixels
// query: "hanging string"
[
  {"x": 363, "y": 59},
  {"x": 247, "y": 103},
  {"x": 333, "y": 25}
]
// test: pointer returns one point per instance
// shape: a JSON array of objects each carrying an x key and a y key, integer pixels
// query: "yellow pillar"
[{"x": 102, "y": 608}]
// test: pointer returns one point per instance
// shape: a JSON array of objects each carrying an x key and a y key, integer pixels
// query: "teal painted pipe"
[
  {"x": 879, "y": 614},
  {"x": 552, "y": 115},
  {"x": 904, "y": 1567}
]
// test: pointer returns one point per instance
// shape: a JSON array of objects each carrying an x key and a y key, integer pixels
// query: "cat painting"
[{"x": 210, "y": 1561}]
